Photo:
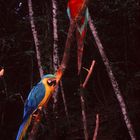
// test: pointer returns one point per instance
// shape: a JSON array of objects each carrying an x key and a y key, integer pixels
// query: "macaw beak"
[{"x": 58, "y": 75}]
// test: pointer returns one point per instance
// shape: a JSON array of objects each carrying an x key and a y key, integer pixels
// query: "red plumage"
[{"x": 75, "y": 6}]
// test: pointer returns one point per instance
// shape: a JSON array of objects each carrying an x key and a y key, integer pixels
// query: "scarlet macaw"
[
  {"x": 37, "y": 97},
  {"x": 73, "y": 9}
]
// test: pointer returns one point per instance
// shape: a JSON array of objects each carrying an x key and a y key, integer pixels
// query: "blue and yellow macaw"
[
  {"x": 73, "y": 9},
  {"x": 37, "y": 98}
]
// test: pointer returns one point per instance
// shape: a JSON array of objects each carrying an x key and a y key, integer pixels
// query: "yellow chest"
[
  {"x": 45, "y": 99},
  {"x": 47, "y": 96}
]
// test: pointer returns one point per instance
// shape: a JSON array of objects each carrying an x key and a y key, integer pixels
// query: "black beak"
[
  {"x": 54, "y": 82},
  {"x": 51, "y": 82}
]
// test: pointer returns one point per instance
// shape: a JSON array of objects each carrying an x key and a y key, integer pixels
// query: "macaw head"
[{"x": 49, "y": 81}]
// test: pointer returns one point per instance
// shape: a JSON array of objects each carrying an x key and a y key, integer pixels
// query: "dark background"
[{"x": 118, "y": 26}]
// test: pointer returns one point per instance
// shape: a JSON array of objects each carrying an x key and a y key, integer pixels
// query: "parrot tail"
[{"x": 23, "y": 127}]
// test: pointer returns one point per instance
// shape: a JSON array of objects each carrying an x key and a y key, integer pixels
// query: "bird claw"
[{"x": 36, "y": 117}]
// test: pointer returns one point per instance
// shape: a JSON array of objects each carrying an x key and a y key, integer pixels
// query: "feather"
[
  {"x": 35, "y": 96},
  {"x": 83, "y": 23},
  {"x": 23, "y": 127}
]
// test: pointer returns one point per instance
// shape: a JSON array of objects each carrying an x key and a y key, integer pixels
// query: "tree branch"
[
  {"x": 83, "y": 101},
  {"x": 69, "y": 38},
  {"x": 89, "y": 73},
  {"x": 36, "y": 41},
  {"x": 113, "y": 81}
]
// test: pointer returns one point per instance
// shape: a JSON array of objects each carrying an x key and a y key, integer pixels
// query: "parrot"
[
  {"x": 37, "y": 98},
  {"x": 73, "y": 8}
]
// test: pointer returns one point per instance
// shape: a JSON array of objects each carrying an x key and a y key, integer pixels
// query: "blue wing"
[{"x": 34, "y": 98}]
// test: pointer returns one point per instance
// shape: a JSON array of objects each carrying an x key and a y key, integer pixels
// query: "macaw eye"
[{"x": 51, "y": 82}]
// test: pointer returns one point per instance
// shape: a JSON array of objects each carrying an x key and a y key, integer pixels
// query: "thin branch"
[
  {"x": 83, "y": 102},
  {"x": 84, "y": 114},
  {"x": 85, "y": 69},
  {"x": 89, "y": 74},
  {"x": 64, "y": 101},
  {"x": 96, "y": 127},
  {"x": 113, "y": 81},
  {"x": 17, "y": 94}
]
